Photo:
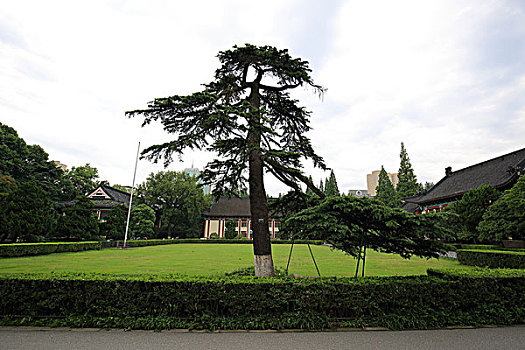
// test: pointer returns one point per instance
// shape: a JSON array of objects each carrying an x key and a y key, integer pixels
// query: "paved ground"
[{"x": 481, "y": 338}]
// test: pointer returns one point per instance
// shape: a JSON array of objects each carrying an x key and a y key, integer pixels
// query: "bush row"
[
  {"x": 492, "y": 258},
  {"x": 149, "y": 242},
  {"x": 26, "y": 249},
  {"x": 164, "y": 302},
  {"x": 484, "y": 247}
]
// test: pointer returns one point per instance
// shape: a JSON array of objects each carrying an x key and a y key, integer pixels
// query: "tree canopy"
[
  {"x": 407, "y": 185},
  {"x": 84, "y": 178},
  {"x": 177, "y": 200},
  {"x": 470, "y": 210},
  {"x": 386, "y": 192},
  {"x": 30, "y": 163},
  {"x": 248, "y": 118},
  {"x": 331, "y": 188},
  {"x": 506, "y": 217},
  {"x": 353, "y": 224}
]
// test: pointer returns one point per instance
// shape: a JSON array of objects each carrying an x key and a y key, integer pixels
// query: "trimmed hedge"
[
  {"x": 149, "y": 242},
  {"x": 165, "y": 302},
  {"x": 26, "y": 249},
  {"x": 492, "y": 258},
  {"x": 477, "y": 272},
  {"x": 485, "y": 247}
]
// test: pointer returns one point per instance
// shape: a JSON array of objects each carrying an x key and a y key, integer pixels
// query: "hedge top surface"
[
  {"x": 46, "y": 243},
  {"x": 205, "y": 279},
  {"x": 477, "y": 272},
  {"x": 490, "y": 251}
]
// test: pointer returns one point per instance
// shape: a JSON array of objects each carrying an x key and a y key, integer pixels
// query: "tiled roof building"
[
  {"x": 105, "y": 197},
  {"x": 501, "y": 172}
]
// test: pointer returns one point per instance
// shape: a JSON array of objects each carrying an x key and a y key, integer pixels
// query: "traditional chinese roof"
[
  {"x": 105, "y": 196},
  {"x": 500, "y": 172},
  {"x": 229, "y": 207}
]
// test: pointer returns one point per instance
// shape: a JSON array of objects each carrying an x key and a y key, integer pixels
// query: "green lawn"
[{"x": 206, "y": 259}]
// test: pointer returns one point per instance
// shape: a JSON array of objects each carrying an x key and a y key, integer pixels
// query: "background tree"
[
  {"x": 407, "y": 185},
  {"x": 26, "y": 214},
  {"x": 177, "y": 200},
  {"x": 246, "y": 116},
  {"x": 142, "y": 221},
  {"x": 84, "y": 178},
  {"x": 78, "y": 221},
  {"x": 386, "y": 192},
  {"x": 30, "y": 163},
  {"x": 114, "y": 224},
  {"x": 7, "y": 185},
  {"x": 354, "y": 224},
  {"x": 470, "y": 210},
  {"x": 506, "y": 217},
  {"x": 331, "y": 188}
]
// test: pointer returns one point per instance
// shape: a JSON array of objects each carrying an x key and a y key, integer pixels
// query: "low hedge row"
[
  {"x": 26, "y": 249},
  {"x": 149, "y": 242},
  {"x": 164, "y": 302},
  {"x": 484, "y": 247},
  {"x": 492, "y": 258}
]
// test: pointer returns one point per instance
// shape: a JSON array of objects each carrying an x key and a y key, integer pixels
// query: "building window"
[{"x": 244, "y": 223}]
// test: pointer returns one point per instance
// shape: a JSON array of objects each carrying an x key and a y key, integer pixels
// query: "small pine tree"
[
  {"x": 385, "y": 191},
  {"x": 321, "y": 186},
  {"x": 407, "y": 185},
  {"x": 331, "y": 188},
  {"x": 308, "y": 189}
]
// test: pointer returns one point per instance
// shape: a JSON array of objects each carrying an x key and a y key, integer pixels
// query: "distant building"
[
  {"x": 238, "y": 210},
  {"x": 359, "y": 193},
  {"x": 60, "y": 165},
  {"x": 195, "y": 172},
  {"x": 105, "y": 197},
  {"x": 500, "y": 172},
  {"x": 372, "y": 180}
]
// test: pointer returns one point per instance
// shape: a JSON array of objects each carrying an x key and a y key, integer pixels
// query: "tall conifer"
[
  {"x": 386, "y": 192},
  {"x": 331, "y": 188},
  {"x": 407, "y": 185}
]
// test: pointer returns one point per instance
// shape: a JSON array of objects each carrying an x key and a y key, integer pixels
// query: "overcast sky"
[{"x": 447, "y": 78}]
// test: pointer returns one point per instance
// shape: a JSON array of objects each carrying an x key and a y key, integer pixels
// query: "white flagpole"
[{"x": 131, "y": 197}]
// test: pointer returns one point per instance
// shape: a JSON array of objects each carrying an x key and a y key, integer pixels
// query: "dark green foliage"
[
  {"x": 7, "y": 186},
  {"x": 231, "y": 229},
  {"x": 27, "y": 249},
  {"x": 386, "y": 192},
  {"x": 506, "y": 217},
  {"x": 178, "y": 202},
  {"x": 331, "y": 188},
  {"x": 407, "y": 185},
  {"x": 84, "y": 178},
  {"x": 165, "y": 302},
  {"x": 353, "y": 224},
  {"x": 26, "y": 214},
  {"x": 30, "y": 163},
  {"x": 78, "y": 221},
  {"x": 141, "y": 221},
  {"x": 114, "y": 224},
  {"x": 470, "y": 210},
  {"x": 492, "y": 258},
  {"x": 224, "y": 113}
]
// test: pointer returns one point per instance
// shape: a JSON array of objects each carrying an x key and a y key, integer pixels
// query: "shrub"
[
  {"x": 149, "y": 242},
  {"x": 506, "y": 217},
  {"x": 16, "y": 250},
  {"x": 492, "y": 258},
  {"x": 163, "y": 302}
]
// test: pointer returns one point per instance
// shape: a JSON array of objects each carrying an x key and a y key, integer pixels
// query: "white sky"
[{"x": 447, "y": 78}]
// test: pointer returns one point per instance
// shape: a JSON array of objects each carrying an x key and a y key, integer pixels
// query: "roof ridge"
[{"x": 488, "y": 161}]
